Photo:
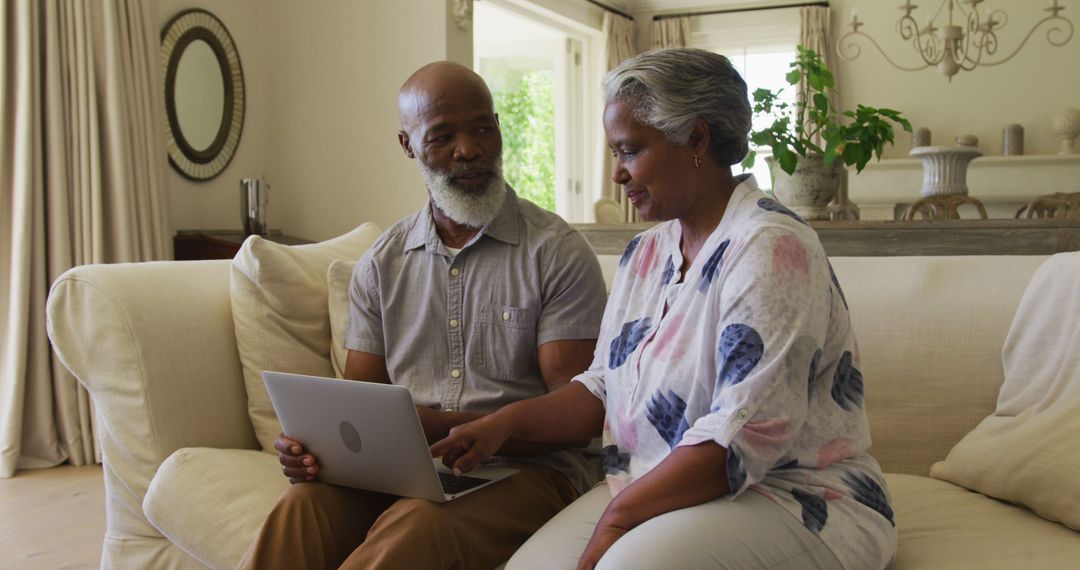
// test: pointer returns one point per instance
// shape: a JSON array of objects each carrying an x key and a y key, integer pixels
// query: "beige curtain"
[
  {"x": 619, "y": 32},
  {"x": 82, "y": 180},
  {"x": 814, "y": 34},
  {"x": 670, "y": 32}
]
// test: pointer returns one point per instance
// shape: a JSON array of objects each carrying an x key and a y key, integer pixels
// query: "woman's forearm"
[
  {"x": 569, "y": 414},
  {"x": 689, "y": 476}
]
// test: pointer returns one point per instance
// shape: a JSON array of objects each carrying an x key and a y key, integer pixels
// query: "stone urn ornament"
[
  {"x": 1067, "y": 126},
  {"x": 945, "y": 169}
]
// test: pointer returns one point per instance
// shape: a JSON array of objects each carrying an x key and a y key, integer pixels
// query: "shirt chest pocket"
[{"x": 504, "y": 342}]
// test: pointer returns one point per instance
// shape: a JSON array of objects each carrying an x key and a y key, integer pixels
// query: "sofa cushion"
[
  {"x": 212, "y": 502},
  {"x": 338, "y": 278},
  {"x": 929, "y": 332},
  {"x": 1028, "y": 450},
  {"x": 942, "y": 525},
  {"x": 279, "y": 305}
]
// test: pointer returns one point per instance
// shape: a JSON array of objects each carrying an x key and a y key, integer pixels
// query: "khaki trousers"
[
  {"x": 317, "y": 525},
  {"x": 748, "y": 533}
]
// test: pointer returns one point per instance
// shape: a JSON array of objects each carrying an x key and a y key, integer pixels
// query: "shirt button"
[
  {"x": 455, "y": 272},
  {"x": 455, "y": 373},
  {"x": 453, "y": 323},
  {"x": 742, "y": 414},
  {"x": 506, "y": 316}
]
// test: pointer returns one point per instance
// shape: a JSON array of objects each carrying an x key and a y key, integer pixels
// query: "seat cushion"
[
  {"x": 212, "y": 502},
  {"x": 942, "y": 525},
  {"x": 279, "y": 305}
]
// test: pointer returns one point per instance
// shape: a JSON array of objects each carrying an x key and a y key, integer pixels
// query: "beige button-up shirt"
[{"x": 462, "y": 331}]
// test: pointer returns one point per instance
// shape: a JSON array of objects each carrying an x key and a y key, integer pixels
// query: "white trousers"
[{"x": 748, "y": 533}]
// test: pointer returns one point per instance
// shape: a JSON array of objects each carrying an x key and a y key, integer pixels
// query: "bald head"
[{"x": 438, "y": 83}]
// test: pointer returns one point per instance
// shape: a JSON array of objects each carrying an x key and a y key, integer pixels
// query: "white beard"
[{"x": 473, "y": 209}]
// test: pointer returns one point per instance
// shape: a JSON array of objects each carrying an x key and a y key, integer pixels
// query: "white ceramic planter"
[{"x": 809, "y": 190}]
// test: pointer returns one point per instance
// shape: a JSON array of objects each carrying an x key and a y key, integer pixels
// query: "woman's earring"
[{"x": 697, "y": 161}]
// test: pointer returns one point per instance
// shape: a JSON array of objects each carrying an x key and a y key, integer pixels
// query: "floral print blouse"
[{"x": 753, "y": 349}]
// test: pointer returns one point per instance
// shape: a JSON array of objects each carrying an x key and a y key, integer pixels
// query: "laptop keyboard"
[{"x": 453, "y": 485}]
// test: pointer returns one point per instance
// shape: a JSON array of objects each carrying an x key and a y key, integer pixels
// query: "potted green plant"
[{"x": 810, "y": 141}]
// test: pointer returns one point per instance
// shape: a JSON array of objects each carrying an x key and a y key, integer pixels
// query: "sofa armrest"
[{"x": 154, "y": 345}]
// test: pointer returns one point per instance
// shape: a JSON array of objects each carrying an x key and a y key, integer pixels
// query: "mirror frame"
[{"x": 186, "y": 27}]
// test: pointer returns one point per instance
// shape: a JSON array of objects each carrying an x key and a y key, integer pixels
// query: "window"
[
  {"x": 761, "y": 46},
  {"x": 539, "y": 69}
]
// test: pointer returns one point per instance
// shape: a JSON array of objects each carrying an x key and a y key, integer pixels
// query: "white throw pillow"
[
  {"x": 1026, "y": 452},
  {"x": 338, "y": 278},
  {"x": 279, "y": 304}
]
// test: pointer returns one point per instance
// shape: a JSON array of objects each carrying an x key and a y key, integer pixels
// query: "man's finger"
[
  {"x": 286, "y": 445},
  {"x": 467, "y": 461},
  {"x": 448, "y": 445}
]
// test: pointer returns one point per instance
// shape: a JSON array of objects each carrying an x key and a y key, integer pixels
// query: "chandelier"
[{"x": 962, "y": 41}]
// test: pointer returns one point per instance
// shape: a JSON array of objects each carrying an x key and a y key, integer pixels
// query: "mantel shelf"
[
  {"x": 890, "y": 238},
  {"x": 1002, "y": 183},
  {"x": 982, "y": 161}
]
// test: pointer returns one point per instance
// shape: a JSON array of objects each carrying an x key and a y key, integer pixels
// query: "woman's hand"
[
  {"x": 295, "y": 464},
  {"x": 604, "y": 535},
  {"x": 470, "y": 443}
]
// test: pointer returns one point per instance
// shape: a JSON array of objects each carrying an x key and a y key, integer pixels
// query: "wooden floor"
[{"x": 52, "y": 518}]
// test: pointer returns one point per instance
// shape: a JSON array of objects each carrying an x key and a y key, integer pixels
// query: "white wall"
[
  {"x": 322, "y": 124},
  {"x": 332, "y": 79},
  {"x": 215, "y": 204},
  {"x": 1038, "y": 83}
]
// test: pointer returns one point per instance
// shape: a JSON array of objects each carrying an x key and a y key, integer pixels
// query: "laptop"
[{"x": 367, "y": 436}]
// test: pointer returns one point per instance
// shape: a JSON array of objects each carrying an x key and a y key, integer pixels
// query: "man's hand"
[
  {"x": 469, "y": 444},
  {"x": 298, "y": 466}
]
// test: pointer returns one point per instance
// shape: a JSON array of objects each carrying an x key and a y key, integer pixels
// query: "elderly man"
[{"x": 478, "y": 300}]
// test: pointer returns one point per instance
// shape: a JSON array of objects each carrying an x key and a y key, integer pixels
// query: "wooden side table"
[{"x": 219, "y": 244}]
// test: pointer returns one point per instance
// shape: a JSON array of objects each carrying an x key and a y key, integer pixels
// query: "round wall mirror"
[{"x": 204, "y": 94}]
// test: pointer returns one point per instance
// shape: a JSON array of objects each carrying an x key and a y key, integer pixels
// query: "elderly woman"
[{"x": 725, "y": 378}]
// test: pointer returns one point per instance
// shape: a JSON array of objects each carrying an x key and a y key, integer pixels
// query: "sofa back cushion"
[
  {"x": 930, "y": 332},
  {"x": 338, "y": 278},
  {"x": 279, "y": 305},
  {"x": 1028, "y": 450}
]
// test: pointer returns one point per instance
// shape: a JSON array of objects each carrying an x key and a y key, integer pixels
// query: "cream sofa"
[{"x": 186, "y": 485}]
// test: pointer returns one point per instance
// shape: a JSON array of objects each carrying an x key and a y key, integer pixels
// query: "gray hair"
[{"x": 670, "y": 89}]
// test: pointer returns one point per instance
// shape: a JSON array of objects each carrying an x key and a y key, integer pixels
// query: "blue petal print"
[
  {"x": 736, "y": 473},
  {"x": 739, "y": 351},
  {"x": 867, "y": 491},
  {"x": 847, "y": 388},
  {"x": 836, "y": 282},
  {"x": 629, "y": 251},
  {"x": 774, "y": 206},
  {"x": 668, "y": 416},
  {"x": 712, "y": 265},
  {"x": 813, "y": 372},
  {"x": 669, "y": 270},
  {"x": 613, "y": 460},
  {"x": 624, "y": 344},
  {"x": 815, "y": 511}
]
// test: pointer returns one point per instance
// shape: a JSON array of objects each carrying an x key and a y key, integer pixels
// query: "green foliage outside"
[{"x": 527, "y": 118}]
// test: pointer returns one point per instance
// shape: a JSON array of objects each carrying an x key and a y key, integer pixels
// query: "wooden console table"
[
  {"x": 892, "y": 238},
  {"x": 219, "y": 244}
]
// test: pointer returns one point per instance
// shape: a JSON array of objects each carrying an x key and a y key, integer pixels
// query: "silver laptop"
[{"x": 367, "y": 436}]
